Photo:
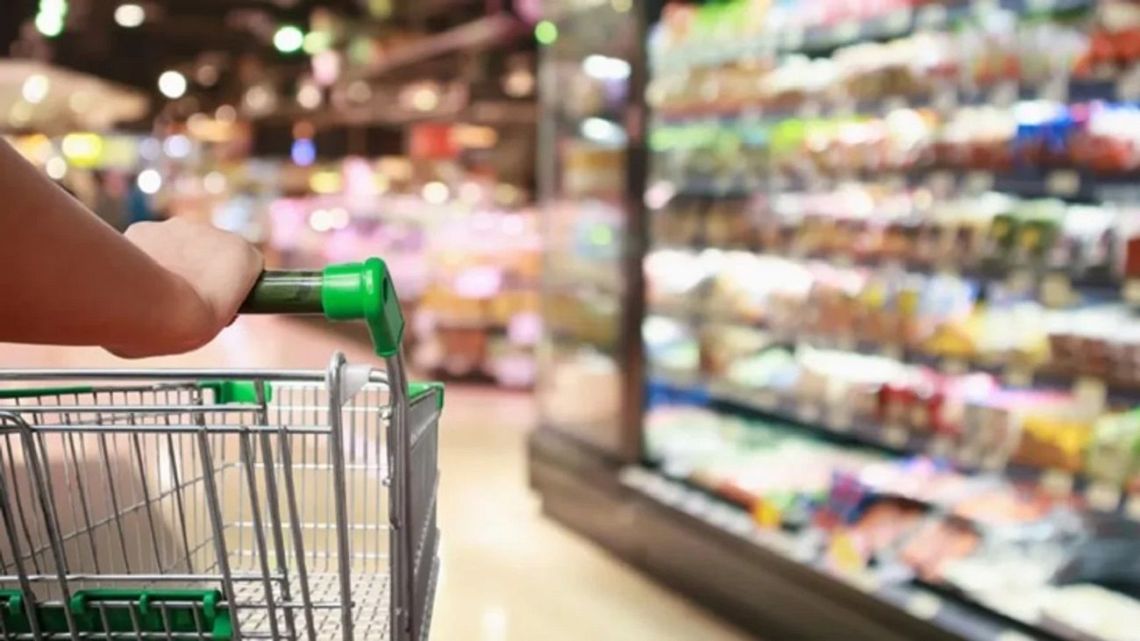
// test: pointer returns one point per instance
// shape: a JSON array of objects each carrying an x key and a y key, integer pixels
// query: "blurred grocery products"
[{"x": 890, "y": 293}]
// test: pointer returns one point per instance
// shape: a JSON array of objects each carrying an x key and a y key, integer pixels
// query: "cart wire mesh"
[{"x": 218, "y": 505}]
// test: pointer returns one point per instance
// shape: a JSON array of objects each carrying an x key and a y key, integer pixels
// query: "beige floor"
[{"x": 509, "y": 574}]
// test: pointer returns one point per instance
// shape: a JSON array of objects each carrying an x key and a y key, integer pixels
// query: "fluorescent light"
[
  {"x": 56, "y": 168},
  {"x": 546, "y": 32},
  {"x": 130, "y": 15},
  {"x": 326, "y": 182},
  {"x": 36, "y": 88},
  {"x": 605, "y": 67},
  {"x": 177, "y": 146},
  {"x": 49, "y": 24},
  {"x": 425, "y": 99},
  {"x": 316, "y": 42},
  {"x": 289, "y": 39},
  {"x": 436, "y": 193},
  {"x": 309, "y": 96},
  {"x": 603, "y": 131},
  {"x": 359, "y": 91},
  {"x": 150, "y": 181},
  {"x": 82, "y": 149},
  {"x": 172, "y": 84},
  {"x": 226, "y": 114},
  {"x": 304, "y": 152}
]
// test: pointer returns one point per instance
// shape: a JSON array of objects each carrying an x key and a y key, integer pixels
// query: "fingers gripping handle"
[{"x": 351, "y": 291}]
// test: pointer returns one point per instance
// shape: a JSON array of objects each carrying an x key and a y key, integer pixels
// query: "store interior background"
[{"x": 760, "y": 319}]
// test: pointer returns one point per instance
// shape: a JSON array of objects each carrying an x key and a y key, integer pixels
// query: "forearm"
[{"x": 68, "y": 278}]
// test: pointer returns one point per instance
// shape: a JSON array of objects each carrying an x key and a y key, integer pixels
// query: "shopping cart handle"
[
  {"x": 285, "y": 292},
  {"x": 351, "y": 291}
]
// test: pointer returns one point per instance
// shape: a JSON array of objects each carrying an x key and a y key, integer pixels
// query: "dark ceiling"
[{"x": 181, "y": 34}]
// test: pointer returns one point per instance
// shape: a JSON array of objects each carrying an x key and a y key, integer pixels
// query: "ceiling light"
[
  {"x": 303, "y": 153},
  {"x": 150, "y": 148},
  {"x": 603, "y": 131},
  {"x": 622, "y": 6},
  {"x": 35, "y": 88},
  {"x": 214, "y": 183},
  {"x": 225, "y": 113},
  {"x": 359, "y": 91},
  {"x": 82, "y": 149},
  {"x": 326, "y": 182},
  {"x": 338, "y": 218},
  {"x": 172, "y": 84},
  {"x": 425, "y": 99},
  {"x": 207, "y": 75},
  {"x": 150, "y": 181},
  {"x": 309, "y": 96},
  {"x": 51, "y": 17},
  {"x": 259, "y": 99},
  {"x": 519, "y": 83},
  {"x": 321, "y": 220},
  {"x": 178, "y": 146},
  {"x": 56, "y": 168},
  {"x": 130, "y": 15},
  {"x": 316, "y": 42},
  {"x": 49, "y": 24},
  {"x": 326, "y": 67},
  {"x": 436, "y": 193},
  {"x": 546, "y": 32},
  {"x": 605, "y": 67},
  {"x": 289, "y": 39}
]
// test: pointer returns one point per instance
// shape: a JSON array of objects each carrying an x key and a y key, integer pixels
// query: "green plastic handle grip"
[{"x": 350, "y": 291}]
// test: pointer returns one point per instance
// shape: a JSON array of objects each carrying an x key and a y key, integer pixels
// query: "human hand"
[{"x": 211, "y": 271}]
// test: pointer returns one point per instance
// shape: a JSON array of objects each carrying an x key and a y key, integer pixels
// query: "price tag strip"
[
  {"x": 1103, "y": 496},
  {"x": 1057, "y": 482},
  {"x": 1063, "y": 183},
  {"x": 1132, "y": 507},
  {"x": 924, "y": 605},
  {"x": 808, "y": 412},
  {"x": 895, "y": 436}
]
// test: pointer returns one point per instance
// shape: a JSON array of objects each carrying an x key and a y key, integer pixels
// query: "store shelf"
[
  {"x": 835, "y": 424},
  {"x": 1014, "y": 372},
  {"x": 727, "y": 149},
  {"x": 1085, "y": 289},
  {"x": 765, "y": 580},
  {"x": 822, "y": 40},
  {"x": 961, "y": 620},
  {"x": 1076, "y": 185}
]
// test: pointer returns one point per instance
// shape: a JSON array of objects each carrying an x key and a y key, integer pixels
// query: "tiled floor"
[{"x": 509, "y": 574}]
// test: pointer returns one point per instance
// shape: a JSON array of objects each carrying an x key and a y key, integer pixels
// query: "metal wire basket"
[{"x": 216, "y": 505}]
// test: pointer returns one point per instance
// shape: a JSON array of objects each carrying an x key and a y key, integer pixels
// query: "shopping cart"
[{"x": 213, "y": 505}]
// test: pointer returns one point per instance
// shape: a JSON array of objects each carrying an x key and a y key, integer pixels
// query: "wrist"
[
  {"x": 180, "y": 320},
  {"x": 192, "y": 321}
]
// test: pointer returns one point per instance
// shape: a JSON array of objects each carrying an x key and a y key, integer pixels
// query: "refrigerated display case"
[
  {"x": 591, "y": 174},
  {"x": 890, "y": 386}
]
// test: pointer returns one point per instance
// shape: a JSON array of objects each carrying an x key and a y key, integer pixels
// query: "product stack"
[{"x": 891, "y": 292}]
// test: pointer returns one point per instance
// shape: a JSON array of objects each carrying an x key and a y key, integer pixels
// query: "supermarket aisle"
[{"x": 509, "y": 575}]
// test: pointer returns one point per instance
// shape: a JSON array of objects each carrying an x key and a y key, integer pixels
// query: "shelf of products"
[
  {"x": 1077, "y": 610},
  {"x": 890, "y": 294}
]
